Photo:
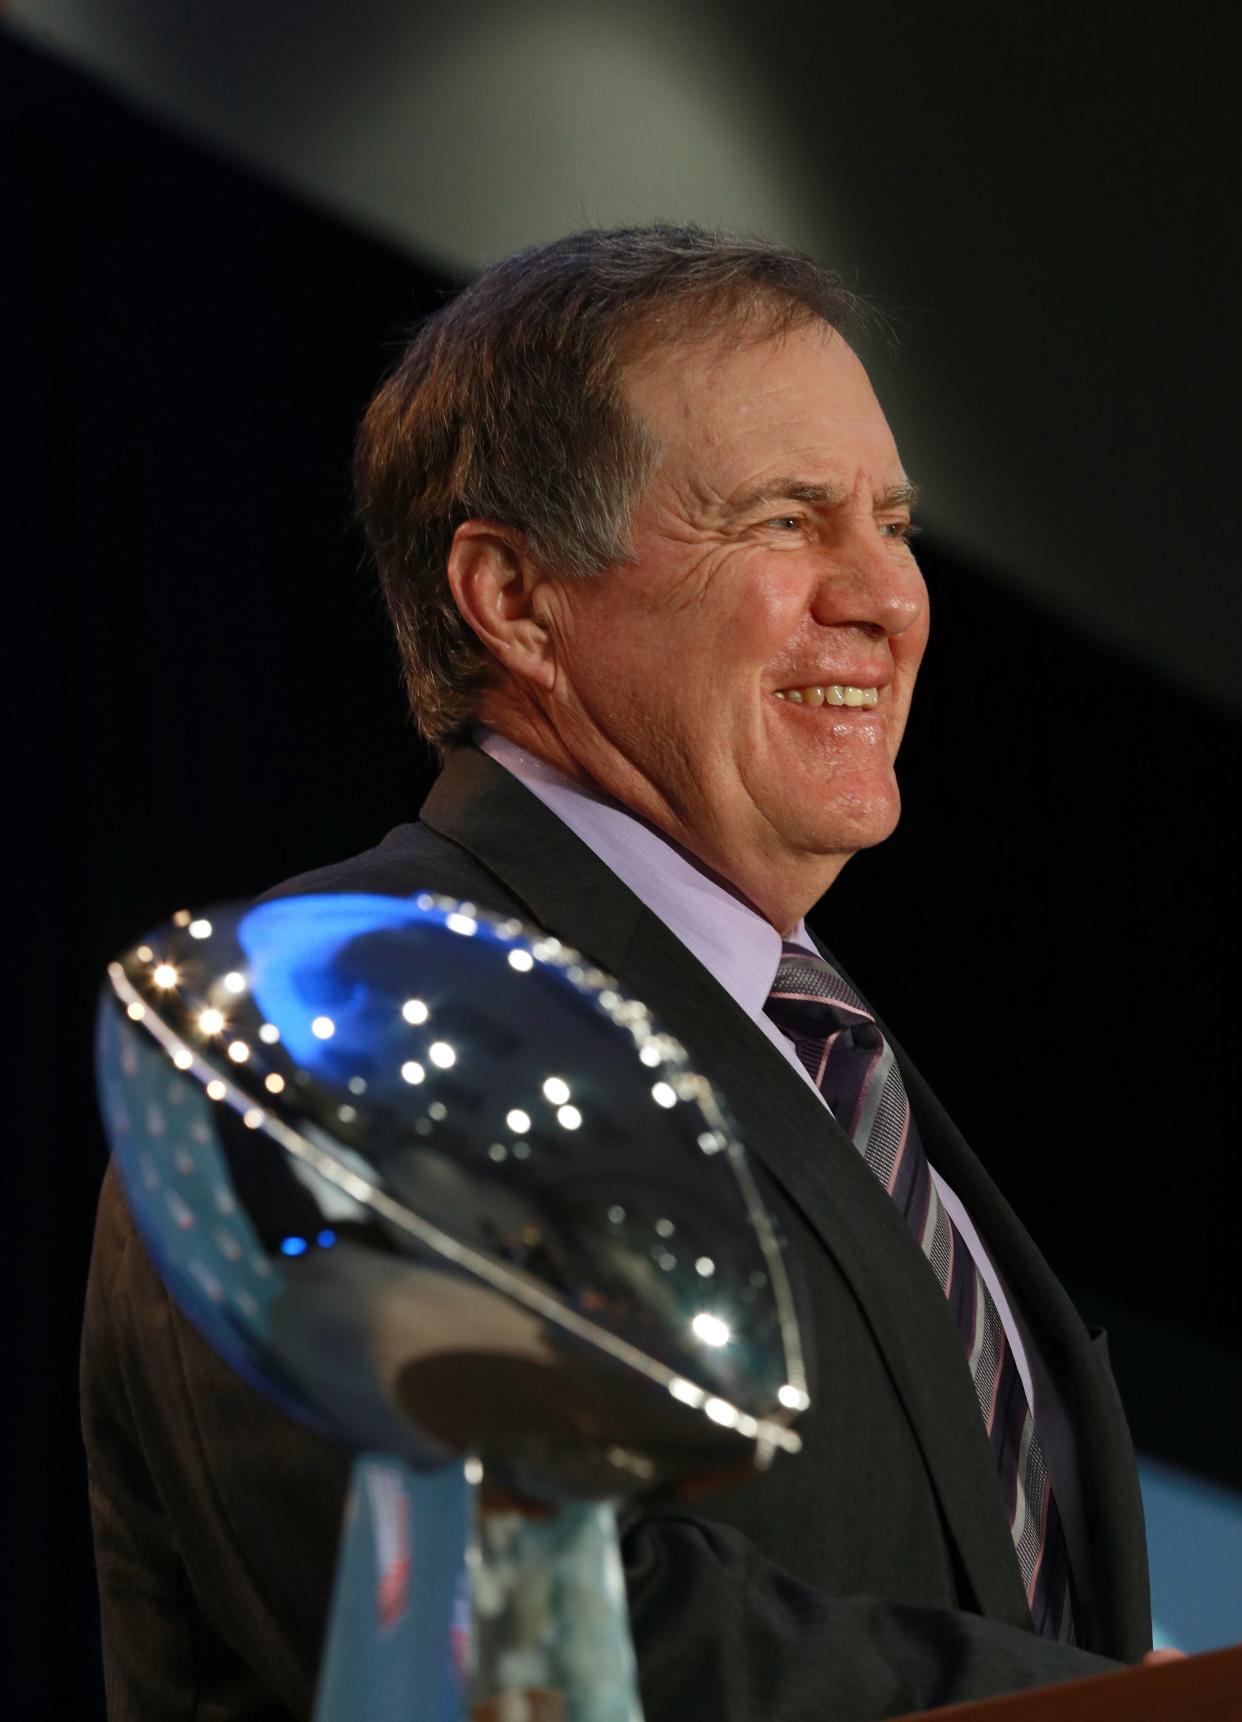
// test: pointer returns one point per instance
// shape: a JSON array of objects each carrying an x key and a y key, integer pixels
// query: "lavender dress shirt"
[{"x": 742, "y": 951}]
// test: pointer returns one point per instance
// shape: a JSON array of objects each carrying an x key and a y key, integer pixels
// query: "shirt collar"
[{"x": 728, "y": 936}]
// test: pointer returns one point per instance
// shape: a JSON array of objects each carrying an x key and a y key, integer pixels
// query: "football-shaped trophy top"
[{"x": 439, "y": 1187}]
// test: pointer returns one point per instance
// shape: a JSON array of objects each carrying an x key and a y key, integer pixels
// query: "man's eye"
[
  {"x": 900, "y": 530},
  {"x": 785, "y": 522}
]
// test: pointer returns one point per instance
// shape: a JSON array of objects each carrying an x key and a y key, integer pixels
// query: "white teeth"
[{"x": 837, "y": 695}]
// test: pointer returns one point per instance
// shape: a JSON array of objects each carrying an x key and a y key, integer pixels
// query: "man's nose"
[{"x": 868, "y": 582}]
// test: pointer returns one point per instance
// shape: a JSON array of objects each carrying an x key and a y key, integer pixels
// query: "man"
[{"x": 644, "y": 534}]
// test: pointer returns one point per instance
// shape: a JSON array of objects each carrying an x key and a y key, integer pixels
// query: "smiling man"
[
  {"x": 742, "y": 678},
  {"x": 644, "y": 534}
]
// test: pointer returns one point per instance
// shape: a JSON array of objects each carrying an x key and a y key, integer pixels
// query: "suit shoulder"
[{"x": 410, "y": 858}]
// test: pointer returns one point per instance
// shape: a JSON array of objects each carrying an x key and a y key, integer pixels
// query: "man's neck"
[{"x": 781, "y": 895}]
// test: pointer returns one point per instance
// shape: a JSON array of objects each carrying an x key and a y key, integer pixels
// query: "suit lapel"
[
  {"x": 821, "y": 1172},
  {"x": 1119, "y": 1623},
  {"x": 1120, "y": 1618},
  {"x": 564, "y": 886}
]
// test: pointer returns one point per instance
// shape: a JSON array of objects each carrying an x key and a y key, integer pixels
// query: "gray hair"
[{"x": 508, "y": 405}]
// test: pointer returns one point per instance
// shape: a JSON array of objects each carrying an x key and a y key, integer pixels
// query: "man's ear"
[{"x": 493, "y": 581}]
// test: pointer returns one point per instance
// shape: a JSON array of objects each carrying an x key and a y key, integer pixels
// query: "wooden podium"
[{"x": 1204, "y": 1688}]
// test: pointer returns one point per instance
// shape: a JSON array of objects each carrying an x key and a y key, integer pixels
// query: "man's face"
[{"x": 772, "y": 557}]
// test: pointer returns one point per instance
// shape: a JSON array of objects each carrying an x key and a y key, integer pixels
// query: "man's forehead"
[
  {"x": 808, "y": 376},
  {"x": 787, "y": 418},
  {"x": 694, "y": 371}
]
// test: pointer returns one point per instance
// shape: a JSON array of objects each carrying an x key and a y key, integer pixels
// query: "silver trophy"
[{"x": 443, "y": 1191}]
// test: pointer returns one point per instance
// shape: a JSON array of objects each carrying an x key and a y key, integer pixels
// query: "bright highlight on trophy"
[{"x": 442, "y": 1190}]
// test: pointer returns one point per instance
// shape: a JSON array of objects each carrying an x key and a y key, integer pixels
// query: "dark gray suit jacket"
[{"x": 870, "y": 1576}]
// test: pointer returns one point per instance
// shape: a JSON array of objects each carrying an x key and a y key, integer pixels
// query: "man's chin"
[{"x": 853, "y": 823}]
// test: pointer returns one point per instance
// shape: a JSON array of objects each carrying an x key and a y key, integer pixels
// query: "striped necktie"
[{"x": 853, "y": 1066}]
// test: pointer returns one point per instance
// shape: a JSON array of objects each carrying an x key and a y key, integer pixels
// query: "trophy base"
[{"x": 444, "y": 1611}]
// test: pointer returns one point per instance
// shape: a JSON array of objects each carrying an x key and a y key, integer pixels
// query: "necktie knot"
[
  {"x": 809, "y": 1000},
  {"x": 833, "y": 1031}
]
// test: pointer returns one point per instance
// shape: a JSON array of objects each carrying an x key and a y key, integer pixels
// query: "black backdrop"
[{"x": 207, "y": 701}]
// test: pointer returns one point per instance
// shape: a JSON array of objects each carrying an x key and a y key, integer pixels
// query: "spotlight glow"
[
  {"x": 711, "y": 1330},
  {"x": 414, "y": 1010},
  {"x": 323, "y": 1028}
]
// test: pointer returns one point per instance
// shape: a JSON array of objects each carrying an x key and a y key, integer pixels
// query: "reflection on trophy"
[{"x": 443, "y": 1191}]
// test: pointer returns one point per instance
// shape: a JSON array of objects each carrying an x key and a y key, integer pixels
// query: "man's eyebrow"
[{"x": 903, "y": 495}]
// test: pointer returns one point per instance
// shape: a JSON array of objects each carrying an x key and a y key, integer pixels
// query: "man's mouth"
[{"x": 839, "y": 694}]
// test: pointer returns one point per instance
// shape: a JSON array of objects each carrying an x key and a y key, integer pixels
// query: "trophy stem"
[
  {"x": 551, "y": 1625},
  {"x": 446, "y": 1611},
  {"x": 398, "y": 1629}
]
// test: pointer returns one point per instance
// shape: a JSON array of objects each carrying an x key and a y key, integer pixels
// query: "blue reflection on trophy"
[{"x": 443, "y": 1191}]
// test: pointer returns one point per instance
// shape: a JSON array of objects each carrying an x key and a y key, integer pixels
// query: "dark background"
[{"x": 206, "y": 700}]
